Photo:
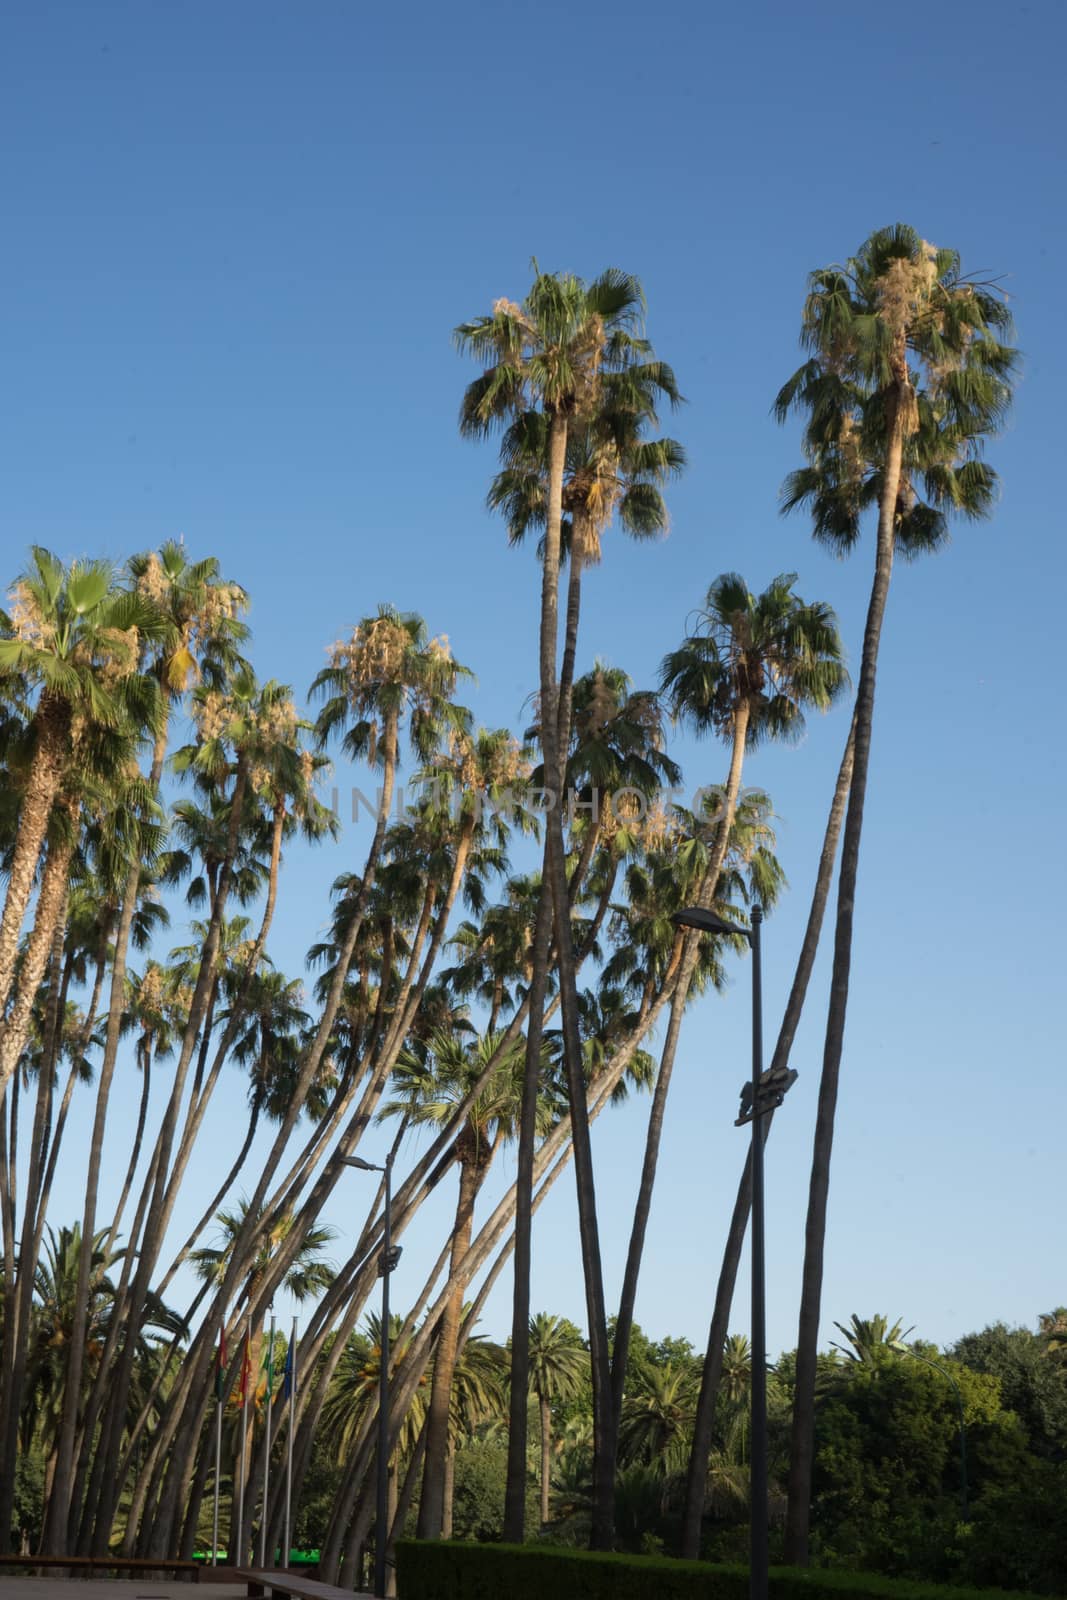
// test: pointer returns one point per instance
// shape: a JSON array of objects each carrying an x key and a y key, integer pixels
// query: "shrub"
[{"x": 451, "y": 1571}]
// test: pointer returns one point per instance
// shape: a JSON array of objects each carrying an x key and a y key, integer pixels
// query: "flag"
[
  {"x": 287, "y": 1373},
  {"x": 270, "y": 1366},
  {"x": 246, "y": 1369},
  {"x": 220, "y": 1368}
]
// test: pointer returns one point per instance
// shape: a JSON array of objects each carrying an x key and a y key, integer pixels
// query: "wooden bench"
[
  {"x": 131, "y": 1564},
  {"x": 260, "y": 1581}
]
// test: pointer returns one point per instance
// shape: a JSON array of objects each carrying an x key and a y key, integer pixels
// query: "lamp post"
[
  {"x": 386, "y": 1262},
  {"x": 903, "y": 1349},
  {"x": 760, "y": 1095}
]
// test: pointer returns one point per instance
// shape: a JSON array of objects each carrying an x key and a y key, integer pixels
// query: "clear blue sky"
[{"x": 235, "y": 240}]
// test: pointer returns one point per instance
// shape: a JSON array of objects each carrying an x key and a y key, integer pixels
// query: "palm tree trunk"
[
  {"x": 449, "y": 1491},
  {"x": 42, "y": 785},
  {"x": 546, "y": 1455},
  {"x": 184, "y": 1439},
  {"x": 51, "y": 900},
  {"x": 803, "y": 1434},
  {"x": 704, "y": 1421},
  {"x": 56, "y": 1532},
  {"x": 138, "y": 1139},
  {"x": 216, "y": 1199},
  {"x": 18, "y": 1285},
  {"x": 602, "y": 1533},
  {"x": 519, "y": 1387},
  {"x": 654, "y": 1134},
  {"x": 112, "y": 1435},
  {"x": 432, "y": 1503}
]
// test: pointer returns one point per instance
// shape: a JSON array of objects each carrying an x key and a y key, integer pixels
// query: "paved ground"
[{"x": 142, "y": 1588}]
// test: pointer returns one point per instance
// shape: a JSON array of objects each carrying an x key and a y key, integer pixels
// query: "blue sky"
[{"x": 236, "y": 239}]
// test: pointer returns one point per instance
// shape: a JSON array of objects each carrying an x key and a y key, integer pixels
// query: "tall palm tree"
[
  {"x": 748, "y": 673},
  {"x": 69, "y": 652},
  {"x": 907, "y": 376},
  {"x": 428, "y": 1085},
  {"x": 558, "y": 1364},
  {"x": 867, "y": 1337},
  {"x": 308, "y": 1276},
  {"x": 196, "y": 629},
  {"x": 550, "y": 358}
]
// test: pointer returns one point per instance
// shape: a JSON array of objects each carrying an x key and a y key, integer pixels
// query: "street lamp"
[
  {"x": 386, "y": 1263},
  {"x": 903, "y": 1349},
  {"x": 761, "y": 1095}
]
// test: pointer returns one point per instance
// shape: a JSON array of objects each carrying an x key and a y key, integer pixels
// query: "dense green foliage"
[{"x": 529, "y": 1572}]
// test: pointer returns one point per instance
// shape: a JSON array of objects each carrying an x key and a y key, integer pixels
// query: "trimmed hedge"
[{"x": 448, "y": 1571}]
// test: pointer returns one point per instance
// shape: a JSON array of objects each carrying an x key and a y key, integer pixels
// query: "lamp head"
[{"x": 705, "y": 921}]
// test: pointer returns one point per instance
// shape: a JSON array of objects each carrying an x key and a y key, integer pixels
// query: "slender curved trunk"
[
  {"x": 546, "y": 1455},
  {"x": 111, "y": 1436},
  {"x": 42, "y": 786},
  {"x": 184, "y": 1437},
  {"x": 18, "y": 1283},
  {"x": 603, "y": 1521},
  {"x": 51, "y": 901},
  {"x": 704, "y": 1421},
  {"x": 432, "y": 1503},
  {"x": 216, "y": 1199},
  {"x": 58, "y": 1513},
  {"x": 519, "y": 1387},
  {"x": 654, "y": 1134},
  {"x": 555, "y": 706},
  {"x": 138, "y": 1139},
  {"x": 803, "y": 1434}
]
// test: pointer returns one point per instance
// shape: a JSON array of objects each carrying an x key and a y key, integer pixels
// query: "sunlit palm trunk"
[
  {"x": 182, "y": 1430},
  {"x": 803, "y": 1434},
  {"x": 546, "y": 1455},
  {"x": 704, "y": 1421},
  {"x": 18, "y": 1277},
  {"x": 42, "y": 786},
  {"x": 602, "y": 1534},
  {"x": 432, "y": 1503},
  {"x": 691, "y": 952},
  {"x": 113, "y": 1420},
  {"x": 56, "y": 1534},
  {"x": 51, "y": 899}
]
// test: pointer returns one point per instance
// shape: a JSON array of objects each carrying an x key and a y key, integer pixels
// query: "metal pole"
[
  {"x": 758, "y": 1508},
  {"x": 239, "y": 1554},
  {"x": 381, "y": 1530},
  {"x": 266, "y": 1446},
  {"x": 289, "y": 1451},
  {"x": 218, "y": 1466}
]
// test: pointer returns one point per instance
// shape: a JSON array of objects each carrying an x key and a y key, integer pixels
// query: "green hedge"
[{"x": 540, "y": 1572}]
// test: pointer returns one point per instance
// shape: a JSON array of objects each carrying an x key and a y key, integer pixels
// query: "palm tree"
[
  {"x": 308, "y": 1275},
  {"x": 868, "y": 1337},
  {"x": 550, "y": 358},
  {"x": 428, "y": 1086},
  {"x": 907, "y": 377},
  {"x": 657, "y": 1417},
  {"x": 1052, "y": 1331},
  {"x": 748, "y": 672},
  {"x": 558, "y": 1363},
  {"x": 69, "y": 650},
  {"x": 736, "y": 1368},
  {"x": 196, "y": 627}
]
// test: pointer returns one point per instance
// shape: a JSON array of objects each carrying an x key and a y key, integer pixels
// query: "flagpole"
[
  {"x": 266, "y": 1446},
  {"x": 291, "y": 1364},
  {"x": 240, "y": 1559},
  {"x": 218, "y": 1467}
]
